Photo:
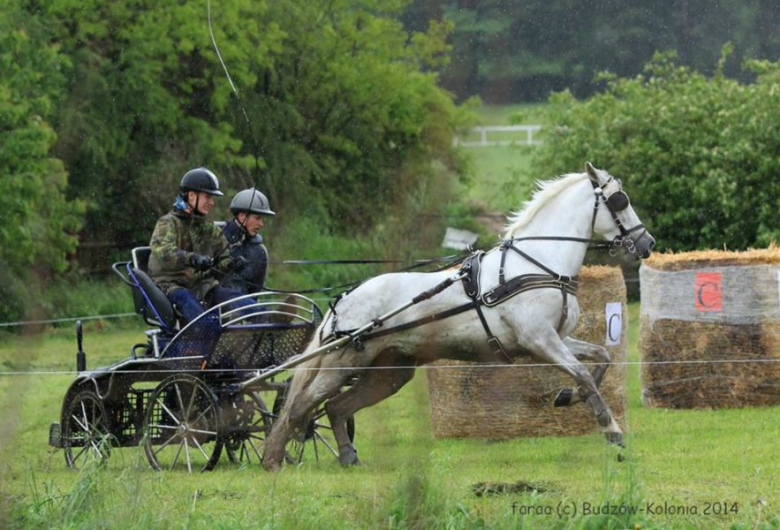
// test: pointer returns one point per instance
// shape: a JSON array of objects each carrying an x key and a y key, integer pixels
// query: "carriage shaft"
[{"x": 303, "y": 357}]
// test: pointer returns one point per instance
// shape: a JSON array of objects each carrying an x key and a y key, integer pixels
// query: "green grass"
[
  {"x": 521, "y": 113},
  {"x": 408, "y": 480},
  {"x": 503, "y": 175}
]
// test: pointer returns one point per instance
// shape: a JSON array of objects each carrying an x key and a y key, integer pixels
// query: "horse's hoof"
[
  {"x": 620, "y": 457},
  {"x": 563, "y": 399},
  {"x": 348, "y": 456},
  {"x": 270, "y": 464},
  {"x": 615, "y": 438}
]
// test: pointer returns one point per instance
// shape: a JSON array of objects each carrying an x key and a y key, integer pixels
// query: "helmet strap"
[
  {"x": 242, "y": 223},
  {"x": 197, "y": 207},
  {"x": 194, "y": 209}
]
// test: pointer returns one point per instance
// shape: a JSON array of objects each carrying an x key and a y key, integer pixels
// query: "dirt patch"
[{"x": 507, "y": 488}]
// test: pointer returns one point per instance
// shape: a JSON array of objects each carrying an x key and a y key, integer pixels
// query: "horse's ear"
[{"x": 592, "y": 173}]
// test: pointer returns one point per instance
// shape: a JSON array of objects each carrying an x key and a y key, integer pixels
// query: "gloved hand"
[
  {"x": 200, "y": 262},
  {"x": 238, "y": 263}
]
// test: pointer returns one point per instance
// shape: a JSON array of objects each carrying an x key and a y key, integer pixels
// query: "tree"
[
  {"x": 38, "y": 223},
  {"x": 508, "y": 51},
  {"x": 344, "y": 113}
]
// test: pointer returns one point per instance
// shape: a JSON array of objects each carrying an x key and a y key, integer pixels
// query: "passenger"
[
  {"x": 249, "y": 208},
  {"x": 184, "y": 246}
]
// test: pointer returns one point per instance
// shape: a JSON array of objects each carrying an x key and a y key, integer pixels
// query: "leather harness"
[
  {"x": 507, "y": 289},
  {"x": 469, "y": 274}
]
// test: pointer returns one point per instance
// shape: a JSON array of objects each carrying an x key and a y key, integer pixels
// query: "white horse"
[{"x": 543, "y": 247}]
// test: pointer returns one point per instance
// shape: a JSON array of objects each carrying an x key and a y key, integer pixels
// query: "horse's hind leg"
[
  {"x": 379, "y": 382},
  {"x": 591, "y": 352},
  {"x": 550, "y": 347},
  {"x": 296, "y": 411}
]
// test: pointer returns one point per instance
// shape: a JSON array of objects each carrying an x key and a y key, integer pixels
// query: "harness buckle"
[{"x": 489, "y": 298}]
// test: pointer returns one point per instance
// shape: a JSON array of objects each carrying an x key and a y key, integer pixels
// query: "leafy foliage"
[
  {"x": 343, "y": 113},
  {"x": 330, "y": 107},
  {"x": 698, "y": 154},
  {"x": 38, "y": 224}
]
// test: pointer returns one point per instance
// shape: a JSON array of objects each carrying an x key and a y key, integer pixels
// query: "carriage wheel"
[
  {"x": 182, "y": 425},
  {"x": 249, "y": 427},
  {"x": 317, "y": 440},
  {"x": 85, "y": 431}
]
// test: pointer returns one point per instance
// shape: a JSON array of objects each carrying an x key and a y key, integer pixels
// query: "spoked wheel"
[
  {"x": 182, "y": 426},
  {"x": 317, "y": 441},
  {"x": 85, "y": 430},
  {"x": 250, "y": 424}
]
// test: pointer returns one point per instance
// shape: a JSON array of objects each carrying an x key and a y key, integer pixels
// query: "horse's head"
[{"x": 614, "y": 218}]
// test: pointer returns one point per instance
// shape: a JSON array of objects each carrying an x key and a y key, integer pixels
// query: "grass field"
[
  {"x": 503, "y": 175},
  {"x": 679, "y": 462}
]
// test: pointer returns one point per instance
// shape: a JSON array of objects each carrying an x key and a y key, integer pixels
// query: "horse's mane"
[{"x": 546, "y": 191}]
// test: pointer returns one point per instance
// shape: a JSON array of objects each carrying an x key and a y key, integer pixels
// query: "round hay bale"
[
  {"x": 709, "y": 328},
  {"x": 469, "y": 400}
]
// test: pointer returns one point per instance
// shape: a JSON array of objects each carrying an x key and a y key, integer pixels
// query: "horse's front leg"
[
  {"x": 295, "y": 413},
  {"x": 584, "y": 351},
  {"x": 292, "y": 418},
  {"x": 550, "y": 347}
]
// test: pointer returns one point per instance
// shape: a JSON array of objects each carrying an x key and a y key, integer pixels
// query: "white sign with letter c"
[{"x": 614, "y": 314}]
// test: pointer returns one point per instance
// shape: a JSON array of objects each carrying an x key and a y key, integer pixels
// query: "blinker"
[{"x": 618, "y": 201}]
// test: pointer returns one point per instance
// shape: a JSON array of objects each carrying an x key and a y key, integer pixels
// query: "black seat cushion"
[{"x": 161, "y": 305}]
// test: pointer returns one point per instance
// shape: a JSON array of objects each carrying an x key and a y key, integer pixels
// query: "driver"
[{"x": 184, "y": 247}]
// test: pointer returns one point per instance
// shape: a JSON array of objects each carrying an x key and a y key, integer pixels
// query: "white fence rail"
[{"x": 504, "y": 131}]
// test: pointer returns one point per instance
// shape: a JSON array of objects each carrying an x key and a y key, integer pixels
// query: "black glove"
[
  {"x": 239, "y": 262},
  {"x": 200, "y": 262}
]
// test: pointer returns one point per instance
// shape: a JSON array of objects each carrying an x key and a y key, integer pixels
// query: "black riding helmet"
[
  {"x": 200, "y": 179},
  {"x": 251, "y": 201}
]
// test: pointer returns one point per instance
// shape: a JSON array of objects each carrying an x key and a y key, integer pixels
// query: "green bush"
[{"x": 697, "y": 155}]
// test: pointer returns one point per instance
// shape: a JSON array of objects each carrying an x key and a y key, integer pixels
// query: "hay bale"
[
  {"x": 709, "y": 329},
  {"x": 504, "y": 402}
]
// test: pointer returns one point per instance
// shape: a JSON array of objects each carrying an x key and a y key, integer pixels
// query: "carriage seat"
[{"x": 150, "y": 302}]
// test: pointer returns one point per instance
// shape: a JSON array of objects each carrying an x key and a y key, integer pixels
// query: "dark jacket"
[
  {"x": 176, "y": 237},
  {"x": 251, "y": 278}
]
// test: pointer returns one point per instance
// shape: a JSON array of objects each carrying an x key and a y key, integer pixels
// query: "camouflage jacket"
[{"x": 177, "y": 236}]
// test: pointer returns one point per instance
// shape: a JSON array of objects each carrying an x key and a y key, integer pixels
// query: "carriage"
[{"x": 181, "y": 394}]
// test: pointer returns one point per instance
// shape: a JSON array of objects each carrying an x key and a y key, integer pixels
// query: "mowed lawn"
[{"x": 679, "y": 464}]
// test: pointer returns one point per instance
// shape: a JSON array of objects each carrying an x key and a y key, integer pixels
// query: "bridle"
[{"x": 615, "y": 203}]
